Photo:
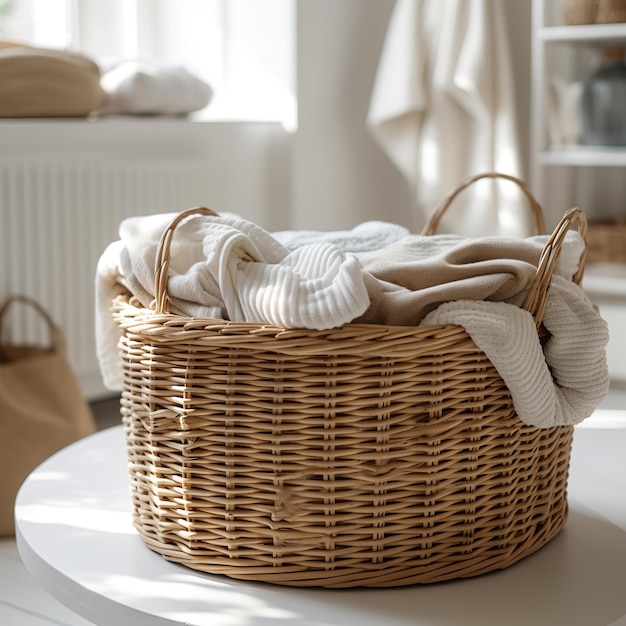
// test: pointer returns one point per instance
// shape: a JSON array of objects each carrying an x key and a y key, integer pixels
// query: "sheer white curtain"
[{"x": 245, "y": 49}]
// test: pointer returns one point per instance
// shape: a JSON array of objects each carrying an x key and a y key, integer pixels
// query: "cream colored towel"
[
  {"x": 227, "y": 268},
  {"x": 413, "y": 276},
  {"x": 233, "y": 267},
  {"x": 561, "y": 385}
]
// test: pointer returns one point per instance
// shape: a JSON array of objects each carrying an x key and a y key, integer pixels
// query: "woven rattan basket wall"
[{"x": 361, "y": 456}]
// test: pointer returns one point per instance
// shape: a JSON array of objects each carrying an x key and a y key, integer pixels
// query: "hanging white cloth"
[{"x": 443, "y": 108}]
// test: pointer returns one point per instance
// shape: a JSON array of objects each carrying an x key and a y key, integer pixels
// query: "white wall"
[
  {"x": 518, "y": 26},
  {"x": 340, "y": 176}
]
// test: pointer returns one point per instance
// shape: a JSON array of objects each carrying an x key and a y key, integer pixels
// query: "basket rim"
[{"x": 171, "y": 329}]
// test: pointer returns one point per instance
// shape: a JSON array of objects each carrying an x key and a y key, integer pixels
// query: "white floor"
[{"x": 24, "y": 603}]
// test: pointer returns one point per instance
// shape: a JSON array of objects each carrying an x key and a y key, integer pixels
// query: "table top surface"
[{"x": 75, "y": 535}]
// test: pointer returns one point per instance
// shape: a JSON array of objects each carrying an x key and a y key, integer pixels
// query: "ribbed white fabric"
[
  {"x": 235, "y": 266},
  {"x": 559, "y": 385},
  {"x": 227, "y": 268},
  {"x": 312, "y": 287}
]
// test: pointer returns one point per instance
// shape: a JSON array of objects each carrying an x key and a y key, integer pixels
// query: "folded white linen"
[
  {"x": 226, "y": 267},
  {"x": 559, "y": 385},
  {"x": 141, "y": 88}
]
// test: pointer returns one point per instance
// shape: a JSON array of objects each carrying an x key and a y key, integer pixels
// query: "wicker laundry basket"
[{"x": 367, "y": 455}]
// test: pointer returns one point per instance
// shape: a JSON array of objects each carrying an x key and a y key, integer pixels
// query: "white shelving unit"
[
  {"x": 565, "y": 175},
  {"x": 582, "y": 156},
  {"x": 592, "y": 177},
  {"x": 589, "y": 33}
]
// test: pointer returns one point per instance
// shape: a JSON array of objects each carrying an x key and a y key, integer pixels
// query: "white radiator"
[
  {"x": 65, "y": 186},
  {"x": 58, "y": 214}
]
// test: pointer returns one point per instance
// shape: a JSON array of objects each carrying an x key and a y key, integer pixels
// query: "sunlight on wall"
[{"x": 244, "y": 49}]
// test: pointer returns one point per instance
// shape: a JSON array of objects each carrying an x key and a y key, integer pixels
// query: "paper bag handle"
[{"x": 56, "y": 337}]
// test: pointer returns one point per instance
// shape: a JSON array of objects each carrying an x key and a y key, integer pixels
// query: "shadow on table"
[{"x": 577, "y": 579}]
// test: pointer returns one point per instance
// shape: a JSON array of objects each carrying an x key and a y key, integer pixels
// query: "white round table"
[{"x": 75, "y": 536}]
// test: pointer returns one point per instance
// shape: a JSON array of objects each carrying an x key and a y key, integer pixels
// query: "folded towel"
[
  {"x": 227, "y": 268},
  {"x": 559, "y": 385},
  {"x": 140, "y": 88},
  {"x": 414, "y": 275}
]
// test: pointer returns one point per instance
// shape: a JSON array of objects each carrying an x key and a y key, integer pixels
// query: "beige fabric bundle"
[
  {"x": 413, "y": 276},
  {"x": 37, "y": 82}
]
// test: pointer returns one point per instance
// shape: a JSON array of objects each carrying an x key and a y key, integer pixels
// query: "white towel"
[
  {"x": 228, "y": 268},
  {"x": 141, "y": 88},
  {"x": 364, "y": 237},
  {"x": 559, "y": 385},
  {"x": 109, "y": 285}
]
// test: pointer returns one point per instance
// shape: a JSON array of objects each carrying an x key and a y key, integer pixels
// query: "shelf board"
[
  {"x": 586, "y": 156},
  {"x": 590, "y": 33}
]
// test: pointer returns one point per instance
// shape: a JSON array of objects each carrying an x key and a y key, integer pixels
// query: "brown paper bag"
[{"x": 42, "y": 408}]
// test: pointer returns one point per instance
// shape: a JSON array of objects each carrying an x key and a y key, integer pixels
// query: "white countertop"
[{"x": 75, "y": 535}]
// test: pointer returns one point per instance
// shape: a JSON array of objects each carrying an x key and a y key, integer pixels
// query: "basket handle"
[
  {"x": 56, "y": 338},
  {"x": 537, "y": 296},
  {"x": 432, "y": 223},
  {"x": 162, "y": 261}
]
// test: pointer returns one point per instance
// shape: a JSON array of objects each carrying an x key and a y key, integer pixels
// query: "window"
[{"x": 244, "y": 49}]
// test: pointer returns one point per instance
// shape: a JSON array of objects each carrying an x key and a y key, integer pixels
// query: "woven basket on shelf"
[
  {"x": 366, "y": 455},
  {"x": 607, "y": 242},
  {"x": 576, "y": 12}
]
